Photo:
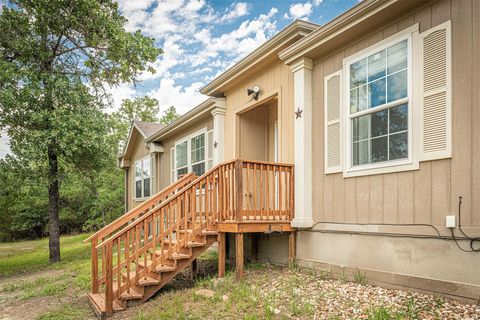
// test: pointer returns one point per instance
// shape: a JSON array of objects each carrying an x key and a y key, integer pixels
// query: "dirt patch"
[{"x": 12, "y": 303}]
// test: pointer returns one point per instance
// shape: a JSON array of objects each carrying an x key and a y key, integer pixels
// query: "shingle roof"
[{"x": 148, "y": 128}]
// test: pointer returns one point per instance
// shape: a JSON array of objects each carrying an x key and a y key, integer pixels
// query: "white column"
[
  {"x": 218, "y": 113},
  {"x": 303, "y": 115}
]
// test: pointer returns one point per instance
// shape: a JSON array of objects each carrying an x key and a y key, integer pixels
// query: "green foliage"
[
  {"x": 55, "y": 59},
  {"x": 380, "y": 313},
  {"x": 359, "y": 277},
  {"x": 141, "y": 108},
  {"x": 169, "y": 115}
]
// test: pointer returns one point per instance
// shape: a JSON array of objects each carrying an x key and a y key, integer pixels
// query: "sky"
[{"x": 203, "y": 38}]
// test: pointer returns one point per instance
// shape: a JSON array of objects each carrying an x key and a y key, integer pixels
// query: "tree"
[
  {"x": 55, "y": 58},
  {"x": 169, "y": 116},
  {"x": 141, "y": 108}
]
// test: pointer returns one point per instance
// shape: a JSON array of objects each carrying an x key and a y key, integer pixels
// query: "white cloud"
[
  {"x": 171, "y": 94},
  {"x": 300, "y": 10},
  {"x": 118, "y": 94},
  {"x": 193, "y": 52},
  {"x": 236, "y": 10}
]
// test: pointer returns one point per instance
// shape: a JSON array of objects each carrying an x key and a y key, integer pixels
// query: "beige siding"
[
  {"x": 428, "y": 194},
  {"x": 276, "y": 77},
  {"x": 139, "y": 151}
]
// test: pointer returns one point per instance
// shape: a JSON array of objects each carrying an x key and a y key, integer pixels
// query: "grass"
[
  {"x": 64, "y": 282},
  {"x": 267, "y": 292},
  {"x": 359, "y": 277}
]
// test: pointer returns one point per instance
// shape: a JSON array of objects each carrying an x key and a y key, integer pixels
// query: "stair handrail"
[
  {"x": 139, "y": 210},
  {"x": 163, "y": 204},
  {"x": 186, "y": 189}
]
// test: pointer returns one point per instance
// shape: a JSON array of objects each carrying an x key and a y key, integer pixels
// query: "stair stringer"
[{"x": 182, "y": 264}]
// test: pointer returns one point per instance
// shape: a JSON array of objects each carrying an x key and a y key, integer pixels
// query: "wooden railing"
[{"x": 133, "y": 249}]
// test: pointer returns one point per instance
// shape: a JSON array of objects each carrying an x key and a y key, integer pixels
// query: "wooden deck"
[{"x": 136, "y": 255}]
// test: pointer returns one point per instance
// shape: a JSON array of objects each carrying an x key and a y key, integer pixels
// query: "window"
[
  {"x": 378, "y": 112},
  {"x": 143, "y": 178},
  {"x": 190, "y": 155}
]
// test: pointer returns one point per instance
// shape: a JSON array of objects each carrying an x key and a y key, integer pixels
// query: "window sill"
[
  {"x": 387, "y": 168},
  {"x": 140, "y": 199}
]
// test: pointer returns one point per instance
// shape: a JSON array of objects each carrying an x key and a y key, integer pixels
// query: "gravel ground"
[{"x": 337, "y": 299}]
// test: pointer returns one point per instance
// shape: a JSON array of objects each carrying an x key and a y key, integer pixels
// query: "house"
[
  {"x": 346, "y": 147},
  {"x": 156, "y": 155}
]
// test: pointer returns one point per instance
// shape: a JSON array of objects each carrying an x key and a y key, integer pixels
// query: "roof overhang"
[
  {"x": 132, "y": 133},
  {"x": 349, "y": 27},
  {"x": 202, "y": 110},
  {"x": 262, "y": 56}
]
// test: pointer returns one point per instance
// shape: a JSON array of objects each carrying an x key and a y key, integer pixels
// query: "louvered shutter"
[
  {"x": 436, "y": 120},
  {"x": 333, "y": 124}
]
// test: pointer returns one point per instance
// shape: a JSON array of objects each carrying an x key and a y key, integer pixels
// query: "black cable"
[
  {"x": 471, "y": 239},
  {"x": 456, "y": 242},
  {"x": 385, "y": 224}
]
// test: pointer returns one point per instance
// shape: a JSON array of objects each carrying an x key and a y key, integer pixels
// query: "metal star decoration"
[
  {"x": 298, "y": 113},
  {"x": 215, "y": 144}
]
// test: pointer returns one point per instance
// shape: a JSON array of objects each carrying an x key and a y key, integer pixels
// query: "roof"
[
  {"x": 267, "y": 51},
  {"x": 186, "y": 119},
  {"x": 349, "y": 27},
  {"x": 147, "y": 128}
]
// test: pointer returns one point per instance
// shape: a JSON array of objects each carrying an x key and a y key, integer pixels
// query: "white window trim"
[
  {"x": 173, "y": 169},
  {"x": 208, "y": 144},
  {"x": 411, "y": 163},
  {"x": 142, "y": 198},
  {"x": 189, "y": 149}
]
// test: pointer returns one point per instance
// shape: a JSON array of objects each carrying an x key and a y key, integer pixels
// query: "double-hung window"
[
  {"x": 190, "y": 155},
  {"x": 378, "y": 107},
  {"x": 143, "y": 178}
]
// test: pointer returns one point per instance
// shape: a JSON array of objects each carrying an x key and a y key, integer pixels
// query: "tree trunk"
[{"x": 53, "y": 207}]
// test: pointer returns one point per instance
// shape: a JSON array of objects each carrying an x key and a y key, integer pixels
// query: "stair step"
[
  {"x": 141, "y": 264},
  {"x": 148, "y": 281},
  {"x": 158, "y": 253},
  {"x": 173, "y": 241},
  {"x": 165, "y": 268},
  {"x": 178, "y": 256},
  {"x": 194, "y": 244},
  {"x": 98, "y": 300},
  {"x": 133, "y": 295},
  {"x": 209, "y": 232}
]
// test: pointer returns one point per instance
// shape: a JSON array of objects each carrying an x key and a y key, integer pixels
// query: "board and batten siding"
[
  {"x": 139, "y": 152},
  {"x": 427, "y": 195},
  {"x": 277, "y": 76}
]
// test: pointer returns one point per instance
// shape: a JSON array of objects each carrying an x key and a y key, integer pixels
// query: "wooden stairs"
[
  {"x": 146, "y": 286},
  {"x": 140, "y": 252}
]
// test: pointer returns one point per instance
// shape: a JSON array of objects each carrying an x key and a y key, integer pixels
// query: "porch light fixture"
[{"x": 255, "y": 91}]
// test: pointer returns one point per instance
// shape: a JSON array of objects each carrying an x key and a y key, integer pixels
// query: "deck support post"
[
  {"x": 239, "y": 256},
  {"x": 194, "y": 268},
  {"x": 254, "y": 247},
  {"x": 221, "y": 254},
  {"x": 292, "y": 249}
]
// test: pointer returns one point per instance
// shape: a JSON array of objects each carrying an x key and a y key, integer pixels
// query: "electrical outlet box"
[{"x": 450, "y": 221}]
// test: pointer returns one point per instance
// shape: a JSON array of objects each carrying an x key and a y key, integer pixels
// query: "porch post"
[
  {"x": 303, "y": 117},
  {"x": 218, "y": 113}
]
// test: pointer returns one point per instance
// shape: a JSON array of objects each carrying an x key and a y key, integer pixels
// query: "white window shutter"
[
  {"x": 436, "y": 96},
  {"x": 333, "y": 123}
]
